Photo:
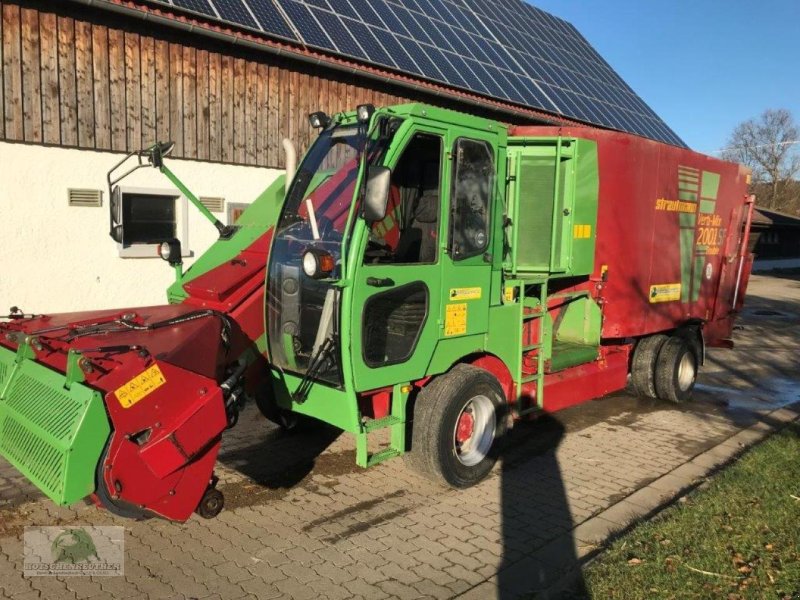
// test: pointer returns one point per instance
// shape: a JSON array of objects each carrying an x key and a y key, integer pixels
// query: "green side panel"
[
  {"x": 710, "y": 185},
  {"x": 697, "y": 279},
  {"x": 536, "y": 185},
  {"x": 687, "y": 224},
  {"x": 690, "y": 196},
  {"x": 584, "y": 211},
  {"x": 450, "y": 350},
  {"x": 707, "y": 206},
  {"x": 504, "y": 338},
  {"x": 580, "y": 323},
  {"x": 554, "y": 200},
  {"x": 52, "y": 435},
  {"x": 331, "y": 405},
  {"x": 259, "y": 217},
  {"x": 569, "y": 354}
]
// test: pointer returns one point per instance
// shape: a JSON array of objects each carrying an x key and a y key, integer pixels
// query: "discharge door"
[{"x": 397, "y": 285}]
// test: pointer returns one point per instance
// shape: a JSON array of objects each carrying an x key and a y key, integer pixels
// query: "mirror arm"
[{"x": 225, "y": 231}]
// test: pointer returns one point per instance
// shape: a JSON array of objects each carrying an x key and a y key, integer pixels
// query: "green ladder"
[
  {"x": 395, "y": 421},
  {"x": 538, "y": 312}
]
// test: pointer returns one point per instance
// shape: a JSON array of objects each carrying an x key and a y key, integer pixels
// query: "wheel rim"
[
  {"x": 686, "y": 372},
  {"x": 474, "y": 430}
]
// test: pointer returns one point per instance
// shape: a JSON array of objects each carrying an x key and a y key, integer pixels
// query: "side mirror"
[
  {"x": 115, "y": 208},
  {"x": 376, "y": 195}
]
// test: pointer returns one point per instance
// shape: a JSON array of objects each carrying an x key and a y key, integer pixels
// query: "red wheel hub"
[{"x": 466, "y": 425}]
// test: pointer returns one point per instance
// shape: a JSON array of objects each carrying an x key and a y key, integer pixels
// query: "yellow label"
[
  {"x": 581, "y": 232},
  {"x": 455, "y": 319},
  {"x": 509, "y": 294},
  {"x": 665, "y": 292},
  {"x": 140, "y": 386},
  {"x": 473, "y": 293}
]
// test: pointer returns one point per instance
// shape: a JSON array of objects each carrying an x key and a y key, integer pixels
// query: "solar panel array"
[{"x": 504, "y": 49}]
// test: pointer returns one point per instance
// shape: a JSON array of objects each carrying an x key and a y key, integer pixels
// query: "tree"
[{"x": 770, "y": 146}]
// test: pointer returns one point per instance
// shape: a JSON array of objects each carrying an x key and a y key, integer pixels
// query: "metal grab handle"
[{"x": 380, "y": 281}]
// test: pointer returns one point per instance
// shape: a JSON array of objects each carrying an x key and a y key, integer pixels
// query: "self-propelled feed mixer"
[{"x": 425, "y": 272}]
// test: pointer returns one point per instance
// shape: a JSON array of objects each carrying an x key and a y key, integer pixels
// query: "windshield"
[{"x": 303, "y": 312}]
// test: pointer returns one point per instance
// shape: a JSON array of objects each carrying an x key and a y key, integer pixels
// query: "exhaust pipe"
[{"x": 291, "y": 160}]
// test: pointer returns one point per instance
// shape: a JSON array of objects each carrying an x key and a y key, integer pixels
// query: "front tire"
[
  {"x": 459, "y": 419},
  {"x": 676, "y": 370}
]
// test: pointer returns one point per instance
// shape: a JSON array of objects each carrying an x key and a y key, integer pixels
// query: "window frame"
[
  {"x": 146, "y": 250},
  {"x": 452, "y": 200},
  {"x": 440, "y": 217}
]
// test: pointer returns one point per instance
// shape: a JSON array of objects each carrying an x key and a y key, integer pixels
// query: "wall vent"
[
  {"x": 83, "y": 197},
  {"x": 216, "y": 205}
]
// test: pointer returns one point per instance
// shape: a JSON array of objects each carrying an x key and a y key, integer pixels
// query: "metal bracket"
[{"x": 74, "y": 372}]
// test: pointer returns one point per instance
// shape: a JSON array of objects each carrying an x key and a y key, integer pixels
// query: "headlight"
[
  {"x": 170, "y": 251},
  {"x": 317, "y": 263},
  {"x": 364, "y": 112},
  {"x": 319, "y": 120},
  {"x": 164, "y": 250}
]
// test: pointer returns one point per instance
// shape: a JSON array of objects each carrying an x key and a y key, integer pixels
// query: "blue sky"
[{"x": 703, "y": 65}]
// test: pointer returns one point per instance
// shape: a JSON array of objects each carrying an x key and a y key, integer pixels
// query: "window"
[
  {"x": 410, "y": 232},
  {"x": 473, "y": 182},
  {"x": 393, "y": 321},
  {"x": 145, "y": 217}
]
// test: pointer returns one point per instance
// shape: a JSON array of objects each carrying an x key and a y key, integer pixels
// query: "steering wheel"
[{"x": 377, "y": 251}]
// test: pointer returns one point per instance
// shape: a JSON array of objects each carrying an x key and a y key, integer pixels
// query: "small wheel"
[
  {"x": 458, "y": 421},
  {"x": 643, "y": 365},
  {"x": 211, "y": 504},
  {"x": 676, "y": 370}
]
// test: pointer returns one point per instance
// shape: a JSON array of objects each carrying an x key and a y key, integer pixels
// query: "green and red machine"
[{"x": 426, "y": 272}]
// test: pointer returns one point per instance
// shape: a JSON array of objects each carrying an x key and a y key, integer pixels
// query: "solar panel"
[{"x": 506, "y": 49}]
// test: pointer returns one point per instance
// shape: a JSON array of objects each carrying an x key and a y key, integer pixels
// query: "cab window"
[
  {"x": 473, "y": 181},
  {"x": 409, "y": 234}
]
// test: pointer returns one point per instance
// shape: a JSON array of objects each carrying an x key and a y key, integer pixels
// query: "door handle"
[{"x": 380, "y": 281}]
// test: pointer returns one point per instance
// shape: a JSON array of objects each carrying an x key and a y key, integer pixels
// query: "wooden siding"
[{"x": 85, "y": 79}]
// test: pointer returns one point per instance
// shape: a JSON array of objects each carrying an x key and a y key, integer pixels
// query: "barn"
[{"x": 84, "y": 82}]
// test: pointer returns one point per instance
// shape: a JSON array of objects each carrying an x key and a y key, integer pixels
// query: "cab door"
[{"x": 396, "y": 293}]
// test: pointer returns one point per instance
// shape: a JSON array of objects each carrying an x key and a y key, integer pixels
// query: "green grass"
[{"x": 738, "y": 538}]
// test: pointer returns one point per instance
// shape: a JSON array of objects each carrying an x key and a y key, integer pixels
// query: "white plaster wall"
[{"x": 57, "y": 258}]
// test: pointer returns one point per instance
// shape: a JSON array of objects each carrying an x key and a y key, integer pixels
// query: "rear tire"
[
  {"x": 643, "y": 365},
  {"x": 459, "y": 420},
  {"x": 676, "y": 370}
]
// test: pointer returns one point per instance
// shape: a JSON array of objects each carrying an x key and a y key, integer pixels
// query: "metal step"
[
  {"x": 529, "y": 378},
  {"x": 382, "y": 455},
  {"x": 382, "y": 423}
]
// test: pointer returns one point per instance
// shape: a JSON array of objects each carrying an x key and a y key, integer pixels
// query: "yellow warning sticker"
[
  {"x": 581, "y": 232},
  {"x": 140, "y": 386},
  {"x": 665, "y": 292},
  {"x": 470, "y": 293},
  {"x": 455, "y": 319}
]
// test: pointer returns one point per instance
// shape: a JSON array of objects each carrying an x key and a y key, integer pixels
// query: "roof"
[
  {"x": 765, "y": 216},
  {"x": 504, "y": 55}
]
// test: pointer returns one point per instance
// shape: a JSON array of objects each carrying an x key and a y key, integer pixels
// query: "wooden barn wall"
[{"x": 83, "y": 78}]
